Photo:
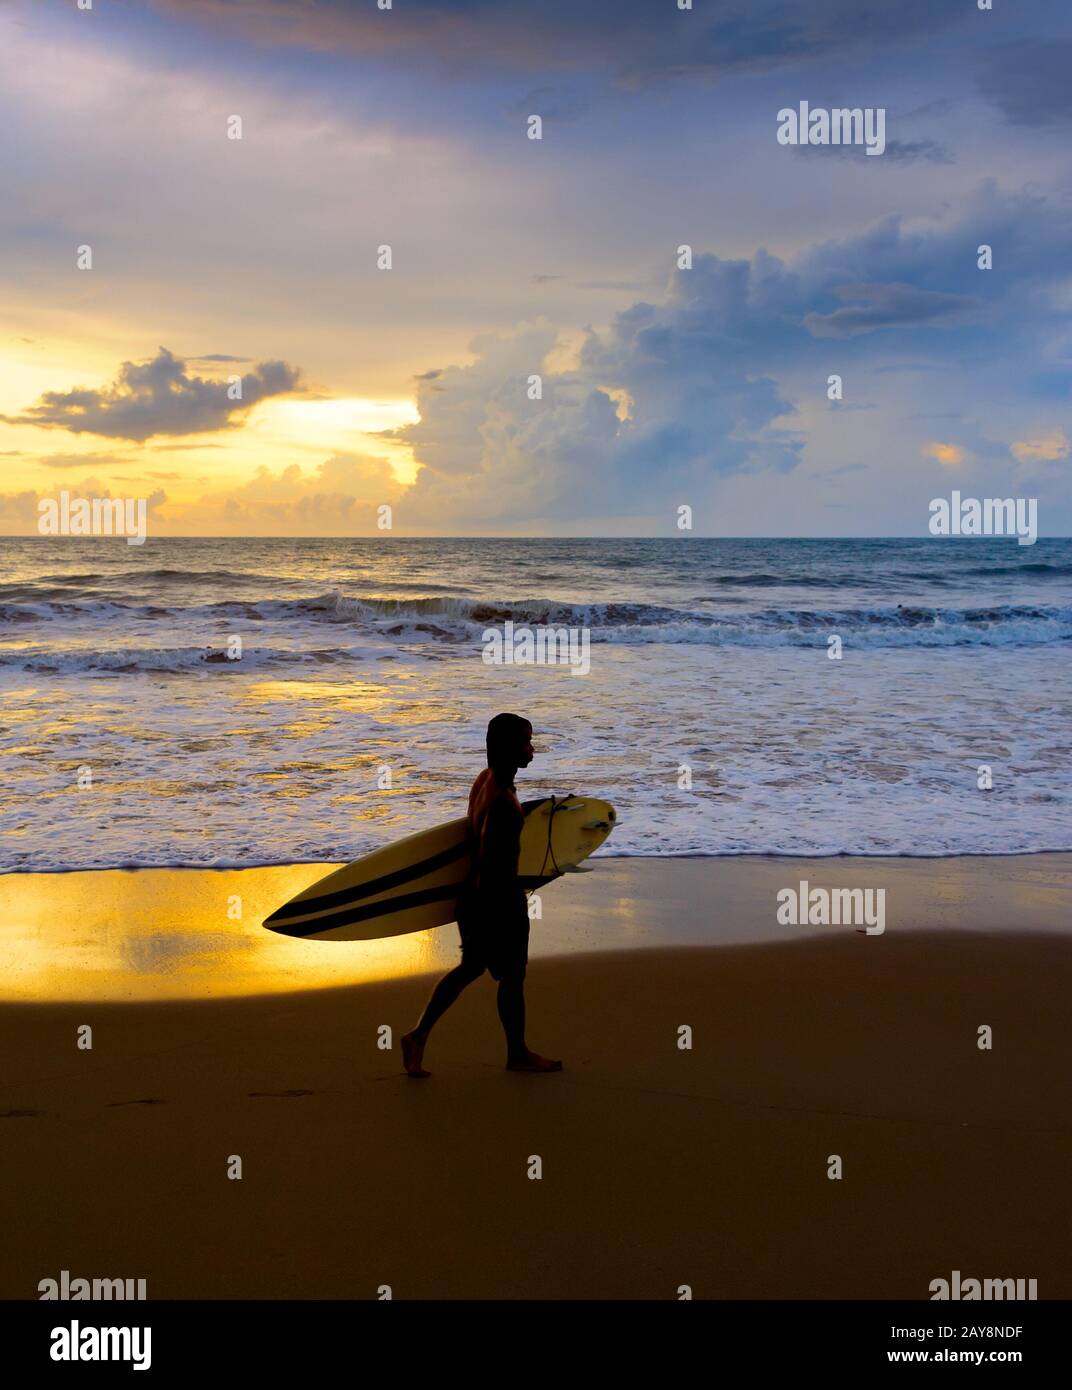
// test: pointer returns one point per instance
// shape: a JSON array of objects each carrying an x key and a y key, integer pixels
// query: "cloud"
[
  {"x": 703, "y": 382},
  {"x": 64, "y": 461},
  {"x": 1048, "y": 449},
  {"x": 666, "y": 398},
  {"x": 356, "y": 476},
  {"x": 905, "y": 151},
  {"x": 340, "y": 497},
  {"x": 183, "y": 448},
  {"x": 897, "y": 151},
  {"x": 1029, "y": 81},
  {"x": 938, "y": 106},
  {"x": 886, "y": 306},
  {"x": 949, "y": 454},
  {"x": 556, "y": 104},
  {"x": 19, "y": 511},
  {"x": 157, "y": 397},
  {"x": 635, "y": 41},
  {"x": 614, "y": 285}
]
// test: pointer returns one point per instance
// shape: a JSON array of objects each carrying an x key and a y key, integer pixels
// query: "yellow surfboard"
[{"x": 414, "y": 884}]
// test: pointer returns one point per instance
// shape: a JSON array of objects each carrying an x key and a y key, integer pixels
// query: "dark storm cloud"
[
  {"x": 1031, "y": 230},
  {"x": 886, "y": 306},
  {"x": 157, "y": 397}
]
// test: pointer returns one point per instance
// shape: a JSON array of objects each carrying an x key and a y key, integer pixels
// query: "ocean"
[{"x": 711, "y": 714}]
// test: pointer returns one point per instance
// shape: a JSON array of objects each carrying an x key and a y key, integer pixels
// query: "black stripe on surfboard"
[
  {"x": 383, "y": 884},
  {"x": 347, "y": 916},
  {"x": 325, "y": 901}
]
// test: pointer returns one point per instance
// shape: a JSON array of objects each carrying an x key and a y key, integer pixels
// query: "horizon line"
[{"x": 497, "y": 537}]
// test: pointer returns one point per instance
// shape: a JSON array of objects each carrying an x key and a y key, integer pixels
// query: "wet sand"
[
  {"x": 196, "y": 933},
  {"x": 660, "y": 1166}
]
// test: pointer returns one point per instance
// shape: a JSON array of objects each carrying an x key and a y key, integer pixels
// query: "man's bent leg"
[{"x": 444, "y": 994}]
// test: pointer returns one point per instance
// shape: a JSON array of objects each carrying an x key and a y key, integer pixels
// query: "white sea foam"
[{"x": 710, "y": 655}]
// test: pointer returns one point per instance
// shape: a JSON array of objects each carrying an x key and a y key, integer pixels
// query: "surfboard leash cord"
[{"x": 550, "y": 850}]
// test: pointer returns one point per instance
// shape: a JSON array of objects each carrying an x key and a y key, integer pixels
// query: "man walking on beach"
[{"x": 492, "y": 910}]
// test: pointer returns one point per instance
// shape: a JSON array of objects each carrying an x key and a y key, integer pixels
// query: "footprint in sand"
[{"x": 281, "y": 1095}]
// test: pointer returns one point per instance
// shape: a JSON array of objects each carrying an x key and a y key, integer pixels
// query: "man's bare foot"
[
  {"x": 413, "y": 1055},
  {"x": 532, "y": 1061}
]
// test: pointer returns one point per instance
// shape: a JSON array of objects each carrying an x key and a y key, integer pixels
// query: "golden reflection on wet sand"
[
  {"x": 181, "y": 934},
  {"x": 197, "y": 933}
]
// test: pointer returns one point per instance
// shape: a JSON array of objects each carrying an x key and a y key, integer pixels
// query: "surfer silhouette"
[{"x": 493, "y": 915}]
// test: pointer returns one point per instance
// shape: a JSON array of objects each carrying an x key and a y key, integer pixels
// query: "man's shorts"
[{"x": 495, "y": 934}]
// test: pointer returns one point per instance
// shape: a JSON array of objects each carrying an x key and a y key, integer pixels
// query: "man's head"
[{"x": 509, "y": 741}]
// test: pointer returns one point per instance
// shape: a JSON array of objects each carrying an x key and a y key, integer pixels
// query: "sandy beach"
[{"x": 661, "y": 1167}]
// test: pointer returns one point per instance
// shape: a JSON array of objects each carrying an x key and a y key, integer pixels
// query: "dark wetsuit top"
[{"x": 492, "y": 911}]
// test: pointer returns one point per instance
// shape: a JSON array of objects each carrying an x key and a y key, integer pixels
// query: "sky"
[{"x": 218, "y": 265}]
